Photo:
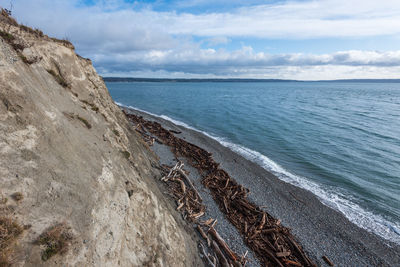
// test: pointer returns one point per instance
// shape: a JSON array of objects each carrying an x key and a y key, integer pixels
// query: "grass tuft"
[
  {"x": 17, "y": 196},
  {"x": 59, "y": 79},
  {"x": 36, "y": 32},
  {"x": 126, "y": 154},
  {"x": 116, "y": 132},
  {"x": 56, "y": 240},
  {"x": 64, "y": 42},
  {"x": 10, "y": 230},
  {"x": 3, "y": 201},
  {"x": 8, "y": 37},
  {"x": 6, "y": 17},
  {"x": 87, "y": 124},
  {"x": 92, "y": 106}
]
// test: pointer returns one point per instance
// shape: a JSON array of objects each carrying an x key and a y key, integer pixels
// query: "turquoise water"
[{"x": 340, "y": 141}]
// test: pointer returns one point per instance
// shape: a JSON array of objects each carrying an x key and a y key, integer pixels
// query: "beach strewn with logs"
[
  {"x": 278, "y": 224},
  {"x": 273, "y": 243}
]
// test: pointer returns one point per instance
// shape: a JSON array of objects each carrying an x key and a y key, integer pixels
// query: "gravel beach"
[{"x": 321, "y": 230}]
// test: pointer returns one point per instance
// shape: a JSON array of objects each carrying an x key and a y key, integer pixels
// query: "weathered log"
[
  {"x": 203, "y": 251},
  {"x": 328, "y": 261},
  {"x": 183, "y": 187},
  {"x": 180, "y": 206},
  {"x": 201, "y": 231},
  {"x": 305, "y": 258},
  {"x": 262, "y": 221},
  {"x": 226, "y": 205},
  {"x": 214, "y": 223},
  {"x": 283, "y": 254},
  {"x": 272, "y": 256},
  {"x": 220, "y": 255},
  {"x": 243, "y": 258},
  {"x": 190, "y": 183},
  {"x": 197, "y": 215},
  {"x": 294, "y": 263},
  {"x": 208, "y": 222},
  {"x": 221, "y": 242}
]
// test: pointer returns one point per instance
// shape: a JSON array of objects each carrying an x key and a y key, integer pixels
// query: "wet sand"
[{"x": 321, "y": 230}]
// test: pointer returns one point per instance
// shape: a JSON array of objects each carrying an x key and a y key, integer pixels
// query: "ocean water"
[{"x": 341, "y": 141}]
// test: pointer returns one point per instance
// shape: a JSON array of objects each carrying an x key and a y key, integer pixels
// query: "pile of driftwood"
[
  {"x": 189, "y": 203},
  {"x": 273, "y": 243},
  {"x": 186, "y": 195}
]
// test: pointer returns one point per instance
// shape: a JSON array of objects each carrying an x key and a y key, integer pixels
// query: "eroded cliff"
[{"x": 79, "y": 172}]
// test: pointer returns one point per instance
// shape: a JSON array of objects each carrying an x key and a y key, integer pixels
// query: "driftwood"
[
  {"x": 271, "y": 242},
  {"x": 220, "y": 255},
  {"x": 328, "y": 261},
  {"x": 223, "y": 244},
  {"x": 189, "y": 203},
  {"x": 202, "y": 232},
  {"x": 209, "y": 261},
  {"x": 190, "y": 183}
]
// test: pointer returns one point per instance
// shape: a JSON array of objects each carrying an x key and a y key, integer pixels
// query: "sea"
[{"x": 338, "y": 140}]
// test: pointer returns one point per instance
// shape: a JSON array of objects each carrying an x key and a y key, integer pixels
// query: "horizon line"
[{"x": 143, "y": 79}]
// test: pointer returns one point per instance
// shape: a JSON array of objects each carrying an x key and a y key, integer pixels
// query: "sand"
[{"x": 321, "y": 230}]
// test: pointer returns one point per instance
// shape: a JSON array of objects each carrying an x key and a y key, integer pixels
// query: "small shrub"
[
  {"x": 22, "y": 57},
  {"x": 87, "y": 124},
  {"x": 126, "y": 154},
  {"x": 17, "y": 196},
  {"x": 36, "y": 32},
  {"x": 85, "y": 102},
  {"x": 87, "y": 59},
  {"x": 8, "y": 37},
  {"x": 92, "y": 106},
  {"x": 5, "y": 258},
  {"x": 64, "y": 42},
  {"x": 3, "y": 201},
  {"x": 39, "y": 33},
  {"x": 56, "y": 240},
  {"x": 6, "y": 16},
  {"x": 28, "y": 61},
  {"x": 116, "y": 132},
  {"x": 70, "y": 116},
  {"x": 59, "y": 79},
  {"x": 18, "y": 47},
  {"x": 10, "y": 230}
]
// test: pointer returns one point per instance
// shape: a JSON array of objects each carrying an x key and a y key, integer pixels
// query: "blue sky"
[{"x": 297, "y": 39}]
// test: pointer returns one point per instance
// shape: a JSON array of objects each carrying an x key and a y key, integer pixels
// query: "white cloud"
[
  {"x": 122, "y": 39},
  {"x": 246, "y": 61}
]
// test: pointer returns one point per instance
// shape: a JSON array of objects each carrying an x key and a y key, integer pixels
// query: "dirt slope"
[{"x": 67, "y": 148}]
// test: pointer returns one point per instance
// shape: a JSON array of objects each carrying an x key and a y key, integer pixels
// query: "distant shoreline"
[{"x": 123, "y": 79}]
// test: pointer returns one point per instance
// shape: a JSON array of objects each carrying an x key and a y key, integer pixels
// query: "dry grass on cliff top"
[{"x": 56, "y": 240}]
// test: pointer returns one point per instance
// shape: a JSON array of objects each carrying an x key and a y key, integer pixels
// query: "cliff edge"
[{"x": 76, "y": 184}]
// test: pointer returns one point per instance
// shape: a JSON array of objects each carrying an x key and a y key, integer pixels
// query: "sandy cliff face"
[{"x": 67, "y": 148}]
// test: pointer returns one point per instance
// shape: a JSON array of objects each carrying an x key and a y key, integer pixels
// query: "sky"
[{"x": 297, "y": 39}]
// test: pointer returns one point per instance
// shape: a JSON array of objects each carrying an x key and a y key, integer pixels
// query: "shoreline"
[{"x": 333, "y": 234}]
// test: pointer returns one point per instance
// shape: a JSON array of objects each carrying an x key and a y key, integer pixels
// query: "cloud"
[
  {"x": 221, "y": 62},
  {"x": 218, "y": 40},
  {"x": 126, "y": 38}
]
